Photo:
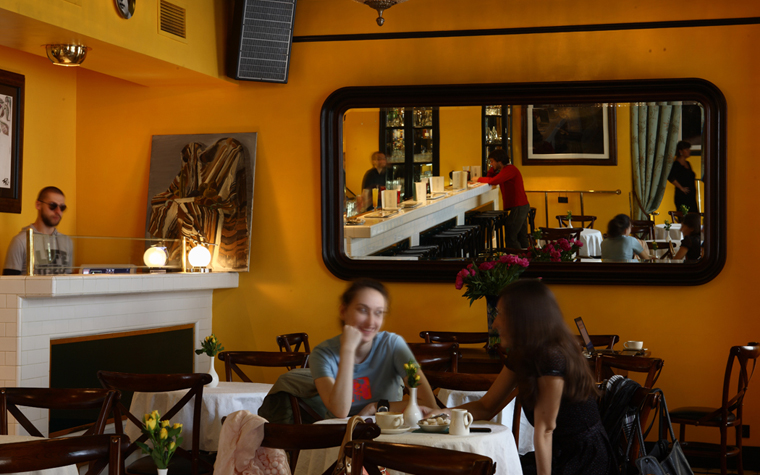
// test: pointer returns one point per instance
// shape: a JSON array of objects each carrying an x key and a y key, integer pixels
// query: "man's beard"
[{"x": 50, "y": 223}]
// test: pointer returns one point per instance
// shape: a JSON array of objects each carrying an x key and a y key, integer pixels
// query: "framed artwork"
[
  {"x": 11, "y": 140},
  {"x": 569, "y": 134}
]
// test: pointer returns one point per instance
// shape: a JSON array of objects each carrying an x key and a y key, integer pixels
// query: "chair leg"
[
  {"x": 682, "y": 432},
  {"x": 739, "y": 463},
  {"x": 723, "y": 443}
]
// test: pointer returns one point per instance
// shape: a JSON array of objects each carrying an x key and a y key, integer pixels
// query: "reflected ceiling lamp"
[
  {"x": 66, "y": 55},
  {"x": 380, "y": 5},
  {"x": 199, "y": 258}
]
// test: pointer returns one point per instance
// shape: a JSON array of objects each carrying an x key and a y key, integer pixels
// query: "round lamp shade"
[
  {"x": 199, "y": 256},
  {"x": 155, "y": 257},
  {"x": 66, "y": 55}
]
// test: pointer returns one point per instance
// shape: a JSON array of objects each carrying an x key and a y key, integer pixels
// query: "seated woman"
[
  {"x": 620, "y": 245},
  {"x": 556, "y": 387},
  {"x": 691, "y": 244},
  {"x": 363, "y": 366}
]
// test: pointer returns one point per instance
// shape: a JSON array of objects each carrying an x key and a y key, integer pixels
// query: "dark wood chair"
[
  {"x": 459, "y": 337},
  {"x": 292, "y": 342},
  {"x": 552, "y": 234},
  {"x": 44, "y": 454},
  {"x": 600, "y": 341},
  {"x": 183, "y": 461},
  {"x": 642, "y": 229},
  {"x": 436, "y": 356},
  {"x": 270, "y": 359},
  {"x": 668, "y": 254},
  {"x": 583, "y": 219},
  {"x": 729, "y": 414},
  {"x": 532, "y": 219},
  {"x": 677, "y": 216},
  {"x": 606, "y": 366},
  {"x": 56, "y": 399},
  {"x": 458, "y": 382},
  {"x": 416, "y": 459},
  {"x": 294, "y": 438}
]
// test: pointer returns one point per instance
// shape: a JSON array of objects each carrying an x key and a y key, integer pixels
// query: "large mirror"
[{"x": 434, "y": 130}]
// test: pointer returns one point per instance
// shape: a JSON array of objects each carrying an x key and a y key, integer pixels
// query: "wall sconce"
[
  {"x": 380, "y": 5},
  {"x": 66, "y": 55},
  {"x": 199, "y": 258},
  {"x": 155, "y": 256}
]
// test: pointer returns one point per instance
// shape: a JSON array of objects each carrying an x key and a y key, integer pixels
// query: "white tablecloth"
[
  {"x": 499, "y": 445},
  {"x": 592, "y": 243},
  {"x": 675, "y": 232},
  {"x": 218, "y": 402},
  {"x": 452, "y": 398},
  {"x": 67, "y": 470}
]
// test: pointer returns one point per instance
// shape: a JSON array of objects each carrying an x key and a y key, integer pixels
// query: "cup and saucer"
[{"x": 391, "y": 423}]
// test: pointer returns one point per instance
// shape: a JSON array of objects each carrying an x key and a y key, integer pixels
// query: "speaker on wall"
[{"x": 260, "y": 39}]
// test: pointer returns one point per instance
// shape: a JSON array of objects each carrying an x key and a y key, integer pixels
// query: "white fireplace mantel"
[{"x": 35, "y": 310}]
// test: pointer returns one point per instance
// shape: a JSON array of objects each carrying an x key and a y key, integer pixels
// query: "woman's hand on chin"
[{"x": 351, "y": 338}]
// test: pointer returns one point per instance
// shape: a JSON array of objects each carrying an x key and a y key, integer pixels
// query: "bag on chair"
[
  {"x": 665, "y": 458},
  {"x": 342, "y": 466}
]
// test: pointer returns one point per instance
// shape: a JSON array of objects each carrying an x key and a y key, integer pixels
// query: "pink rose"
[
  {"x": 566, "y": 246},
  {"x": 487, "y": 265},
  {"x": 578, "y": 243}
]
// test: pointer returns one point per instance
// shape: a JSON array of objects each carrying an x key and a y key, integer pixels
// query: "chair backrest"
[
  {"x": 677, "y": 216},
  {"x": 583, "y": 219},
  {"x": 459, "y": 337},
  {"x": 291, "y": 342},
  {"x": 155, "y": 383},
  {"x": 606, "y": 364},
  {"x": 270, "y": 359},
  {"x": 742, "y": 355},
  {"x": 606, "y": 341},
  {"x": 552, "y": 234},
  {"x": 416, "y": 459},
  {"x": 460, "y": 381},
  {"x": 667, "y": 246},
  {"x": 44, "y": 454},
  {"x": 58, "y": 399},
  {"x": 642, "y": 229},
  {"x": 436, "y": 356}
]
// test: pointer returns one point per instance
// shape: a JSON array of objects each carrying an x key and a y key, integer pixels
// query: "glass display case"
[
  {"x": 409, "y": 138},
  {"x": 497, "y": 131}
]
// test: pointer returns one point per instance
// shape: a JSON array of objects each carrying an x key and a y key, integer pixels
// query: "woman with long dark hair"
[{"x": 556, "y": 387}]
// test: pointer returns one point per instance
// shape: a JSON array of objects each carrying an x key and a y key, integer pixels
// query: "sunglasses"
[{"x": 54, "y": 206}]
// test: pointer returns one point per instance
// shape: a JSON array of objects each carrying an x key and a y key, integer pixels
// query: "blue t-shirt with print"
[{"x": 379, "y": 376}]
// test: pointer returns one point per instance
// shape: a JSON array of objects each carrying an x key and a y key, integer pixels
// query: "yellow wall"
[{"x": 288, "y": 287}]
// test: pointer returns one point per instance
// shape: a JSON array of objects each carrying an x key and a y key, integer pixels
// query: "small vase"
[
  {"x": 569, "y": 223},
  {"x": 412, "y": 413},
  {"x": 162, "y": 471},
  {"x": 212, "y": 372},
  {"x": 493, "y": 335}
]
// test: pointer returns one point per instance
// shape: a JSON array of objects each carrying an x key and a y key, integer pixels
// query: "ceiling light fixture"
[
  {"x": 66, "y": 55},
  {"x": 380, "y": 5}
]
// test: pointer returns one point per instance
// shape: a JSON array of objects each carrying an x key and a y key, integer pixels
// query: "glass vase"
[{"x": 491, "y": 312}]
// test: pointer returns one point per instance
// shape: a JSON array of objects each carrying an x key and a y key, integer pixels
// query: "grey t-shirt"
[
  {"x": 53, "y": 254},
  {"x": 379, "y": 376},
  {"x": 621, "y": 248}
]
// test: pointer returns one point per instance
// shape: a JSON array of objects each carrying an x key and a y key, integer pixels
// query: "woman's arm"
[
  {"x": 681, "y": 252},
  {"x": 545, "y": 420},
  {"x": 337, "y": 393},
  {"x": 683, "y": 189},
  {"x": 425, "y": 396},
  {"x": 497, "y": 397},
  {"x": 644, "y": 254},
  {"x": 425, "y": 399}
]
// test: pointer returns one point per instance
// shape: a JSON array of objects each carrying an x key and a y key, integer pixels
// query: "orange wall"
[{"x": 288, "y": 287}]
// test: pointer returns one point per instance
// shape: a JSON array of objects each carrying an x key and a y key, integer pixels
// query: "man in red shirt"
[{"x": 509, "y": 179}]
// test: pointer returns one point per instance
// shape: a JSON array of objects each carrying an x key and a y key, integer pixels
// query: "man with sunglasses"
[{"x": 53, "y": 251}]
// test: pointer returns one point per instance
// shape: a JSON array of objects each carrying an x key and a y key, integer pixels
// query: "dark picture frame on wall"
[
  {"x": 569, "y": 134},
  {"x": 11, "y": 140}
]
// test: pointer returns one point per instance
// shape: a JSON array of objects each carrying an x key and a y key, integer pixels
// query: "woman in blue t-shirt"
[
  {"x": 362, "y": 366},
  {"x": 619, "y": 244}
]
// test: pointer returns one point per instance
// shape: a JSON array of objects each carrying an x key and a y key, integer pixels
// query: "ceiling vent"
[{"x": 172, "y": 20}]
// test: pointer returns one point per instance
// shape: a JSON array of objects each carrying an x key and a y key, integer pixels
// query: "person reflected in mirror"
[
  {"x": 375, "y": 176},
  {"x": 363, "y": 366},
  {"x": 555, "y": 385},
  {"x": 683, "y": 178},
  {"x": 619, "y": 244},
  {"x": 691, "y": 244},
  {"x": 501, "y": 172},
  {"x": 53, "y": 251}
]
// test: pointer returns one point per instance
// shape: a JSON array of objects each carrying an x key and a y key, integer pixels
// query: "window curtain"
[{"x": 654, "y": 135}]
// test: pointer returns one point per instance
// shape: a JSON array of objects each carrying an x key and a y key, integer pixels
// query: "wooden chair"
[
  {"x": 416, "y": 459},
  {"x": 458, "y": 382},
  {"x": 459, "y": 337},
  {"x": 57, "y": 399},
  {"x": 183, "y": 461},
  {"x": 294, "y": 438},
  {"x": 292, "y": 342},
  {"x": 532, "y": 219},
  {"x": 606, "y": 341},
  {"x": 668, "y": 254},
  {"x": 607, "y": 364},
  {"x": 677, "y": 216},
  {"x": 577, "y": 219},
  {"x": 642, "y": 229},
  {"x": 45, "y": 454},
  {"x": 270, "y": 359},
  {"x": 552, "y": 234},
  {"x": 729, "y": 414},
  {"x": 436, "y": 356}
]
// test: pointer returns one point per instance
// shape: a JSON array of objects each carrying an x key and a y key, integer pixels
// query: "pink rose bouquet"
[{"x": 490, "y": 277}]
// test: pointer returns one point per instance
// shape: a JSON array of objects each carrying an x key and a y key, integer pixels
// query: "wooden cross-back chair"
[
  {"x": 553, "y": 234},
  {"x": 668, "y": 254},
  {"x": 606, "y": 366},
  {"x": 184, "y": 461},
  {"x": 642, "y": 229},
  {"x": 436, "y": 356},
  {"x": 416, "y": 459},
  {"x": 292, "y": 343},
  {"x": 463, "y": 338},
  {"x": 606, "y": 341},
  {"x": 583, "y": 219},
  {"x": 43, "y": 454}
]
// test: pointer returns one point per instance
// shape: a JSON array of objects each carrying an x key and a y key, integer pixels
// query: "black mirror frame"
[{"x": 648, "y": 90}]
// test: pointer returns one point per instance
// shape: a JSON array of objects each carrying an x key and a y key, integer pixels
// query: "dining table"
[
  {"x": 675, "y": 232},
  {"x": 65, "y": 470},
  {"x": 218, "y": 402},
  {"x": 498, "y": 444},
  {"x": 592, "y": 242}
]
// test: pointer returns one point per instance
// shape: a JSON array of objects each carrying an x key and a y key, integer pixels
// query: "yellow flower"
[
  {"x": 406, "y": 365},
  {"x": 164, "y": 434},
  {"x": 208, "y": 338},
  {"x": 172, "y": 445},
  {"x": 155, "y": 415},
  {"x": 150, "y": 424},
  {"x": 165, "y": 423},
  {"x": 177, "y": 425},
  {"x": 417, "y": 377}
]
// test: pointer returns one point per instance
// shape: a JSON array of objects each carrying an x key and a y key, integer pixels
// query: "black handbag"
[{"x": 665, "y": 458}]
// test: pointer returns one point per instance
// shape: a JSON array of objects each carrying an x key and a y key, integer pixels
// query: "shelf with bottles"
[{"x": 497, "y": 130}]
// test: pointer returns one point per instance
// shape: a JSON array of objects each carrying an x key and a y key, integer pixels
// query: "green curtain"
[{"x": 654, "y": 135}]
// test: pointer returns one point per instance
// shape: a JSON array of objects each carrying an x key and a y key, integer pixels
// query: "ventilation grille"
[
  {"x": 265, "y": 39},
  {"x": 173, "y": 19}
]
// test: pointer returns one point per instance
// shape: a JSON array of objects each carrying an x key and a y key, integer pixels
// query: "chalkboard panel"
[{"x": 74, "y": 363}]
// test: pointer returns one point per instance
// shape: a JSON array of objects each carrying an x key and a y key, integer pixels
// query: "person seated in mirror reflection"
[
  {"x": 691, "y": 244},
  {"x": 53, "y": 251},
  {"x": 619, "y": 244},
  {"x": 363, "y": 366},
  {"x": 375, "y": 176},
  {"x": 514, "y": 199},
  {"x": 683, "y": 178}
]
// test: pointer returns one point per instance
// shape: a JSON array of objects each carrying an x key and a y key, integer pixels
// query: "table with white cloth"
[
  {"x": 675, "y": 232},
  {"x": 66, "y": 470},
  {"x": 592, "y": 242},
  {"x": 453, "y": 398},
  {"x": 218, "y": 402},
  {"x": 498, "y": 444}
]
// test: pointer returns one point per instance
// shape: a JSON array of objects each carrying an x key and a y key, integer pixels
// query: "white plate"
[
  {"x": 435, "y": 428},
  {"x": 399, "y": 430}
]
